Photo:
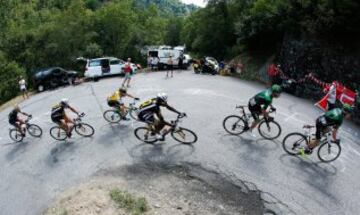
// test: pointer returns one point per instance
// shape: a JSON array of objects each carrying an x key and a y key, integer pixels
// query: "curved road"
[{"x": 35, "y": 171}]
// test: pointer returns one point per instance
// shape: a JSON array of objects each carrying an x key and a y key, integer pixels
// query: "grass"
[{"x": 136, "y": 206}]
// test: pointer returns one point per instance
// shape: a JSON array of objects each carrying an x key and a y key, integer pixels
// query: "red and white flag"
[{"x": 343, "y": 94}]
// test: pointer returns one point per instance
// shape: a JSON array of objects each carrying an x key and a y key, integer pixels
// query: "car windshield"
[{"x": 94, "y": 63}]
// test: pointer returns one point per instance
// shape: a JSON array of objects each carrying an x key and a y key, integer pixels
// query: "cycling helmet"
[
  {"x": 347, "y": 108},
  {"x": 64, "y": 101},
  {"x": 162, "y": 97},
  {"x": 276, "y": 89},
  {"x": 122, "y": 90}
]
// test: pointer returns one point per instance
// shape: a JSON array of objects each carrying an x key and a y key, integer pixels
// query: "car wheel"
[{"x": 40, "y": 88}]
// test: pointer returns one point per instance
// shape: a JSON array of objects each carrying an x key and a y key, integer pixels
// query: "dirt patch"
[{"x": 174, "y": 190}]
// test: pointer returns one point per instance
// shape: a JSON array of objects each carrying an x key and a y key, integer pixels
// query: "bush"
[{"x": 9, "y": 77}]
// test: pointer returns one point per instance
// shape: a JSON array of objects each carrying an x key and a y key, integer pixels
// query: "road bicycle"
[
  {"x": 295, "y": 143},
  {"x": 236, "y": 124},
  {"x": 83, "y": 129},
  {"x": 115, "y": 116},
  {"x": 180, "y": 134},
  {"x": 32, "y": 129}
]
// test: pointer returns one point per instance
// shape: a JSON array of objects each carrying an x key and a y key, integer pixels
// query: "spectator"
[
  {"x": 154, "y": 62},
  {"x": 180, "y": 63},
  {"x": 170, "y": 64},
  {"x": 149, "y": 61},
  {"x": 128, "y": 73},
  {"x": 273, "y": 73},
  {"x": 23, "y": 88}
]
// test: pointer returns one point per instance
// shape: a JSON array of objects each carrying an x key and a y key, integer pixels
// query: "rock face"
[{"x": 328, "y": 60}]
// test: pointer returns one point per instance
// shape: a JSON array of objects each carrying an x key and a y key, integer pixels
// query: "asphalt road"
[{"x": 35, "y": 171}]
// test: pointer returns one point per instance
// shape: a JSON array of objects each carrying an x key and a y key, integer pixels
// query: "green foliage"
[
  {"x": 123, "y": 199},
  {"x": 10, "y": 73}
]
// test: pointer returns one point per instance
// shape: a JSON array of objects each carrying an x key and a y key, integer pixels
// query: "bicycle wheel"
[
  {"x": 133, "y": 114},
  {"x": 234, "y": 124},
  {"x": 145, "y": 134},
  {"x": 84, "y": 129},
  {"x": 58, "y": 133},
  {"x": 270, "y": 130},
  {"x": 16, "y": 135},
  {"x": 34, "y": 130},
  {"x": 329, "y": 152},
  {"x": 184, "y": 135},
  {"x": 293, "y": 142},
  {"x": 112, "y": 116}
]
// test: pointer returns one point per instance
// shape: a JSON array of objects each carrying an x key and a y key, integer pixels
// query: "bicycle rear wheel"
[
  {"x": 234, "y": 124},
  {"x": 145, "y": 134},
  {"x": 34, "y": 130},
  {"x": 58, "y": 133},
  {"x": 294, "y": 142},
  {"x": 269, "y": 130},
  {"x": 16, "y": 135},
  {"x": 112, "y": 116},
  {"x": 329, "y": 152},
  {"x": 84, "y": 129},
  {"x": 184, "y": 135}
]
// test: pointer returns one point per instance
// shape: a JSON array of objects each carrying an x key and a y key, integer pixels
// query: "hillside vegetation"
[{"x": 43, "y": 33}]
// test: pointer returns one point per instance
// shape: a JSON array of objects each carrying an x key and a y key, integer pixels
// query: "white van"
[
  {"x": 164, "y": 56},
  {"x": 105, "y": 66}
]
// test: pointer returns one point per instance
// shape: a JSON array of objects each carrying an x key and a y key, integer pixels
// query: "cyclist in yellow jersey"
[
  {"x": 150, "y": 108},
  {"x": 116, "y": 101}
]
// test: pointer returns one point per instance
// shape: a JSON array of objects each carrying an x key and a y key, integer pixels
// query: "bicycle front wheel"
[
  {"x": 84, "y": 129},
  {"x": 234, "y": 125},
  {"x": 329, "y": 152},
  {"x": 58, "y": 133},
  {"x": 16, "y": 135},
  {"x": 294, "y": 142},
  {"x": 34, "y": 130},
  {"x": 184, "y": 135},
  {"x": 269, "y": 130},
  {"x": 133, "y": 114},
  {"x": 112, "y": 116},
  {"x": 145, "y": 134}
]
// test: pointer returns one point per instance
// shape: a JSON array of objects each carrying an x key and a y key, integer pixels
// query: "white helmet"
[
  {"x": 162, "y": 97},
  {"x": 65, "y": 101}
]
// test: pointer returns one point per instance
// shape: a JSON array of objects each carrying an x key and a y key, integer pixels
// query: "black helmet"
[{"x": 122, "y": 90}]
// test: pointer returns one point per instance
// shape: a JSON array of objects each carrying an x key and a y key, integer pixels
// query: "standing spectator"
[
  {"x": 149, "y": 61},
  {"x": 154, "y": 62},
  {"x": 23, "y": 88},
  {"x": 170, "y": 63},
  {"x": 128, "y": 73},
  {"x": 273, "y": 73},
  {"x": 180, "y": 62}
]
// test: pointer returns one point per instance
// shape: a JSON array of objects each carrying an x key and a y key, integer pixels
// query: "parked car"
[
  {"x": 53, "y": 77},
  {"x": 100, "y": 67}
]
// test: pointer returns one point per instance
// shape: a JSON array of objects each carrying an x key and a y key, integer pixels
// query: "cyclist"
[
  {"x": 59, "y": 116},
  {"x": 260, "y": 102},
  {"x": 16, "y": 121},
  {"x": 116, "y": 101},
  {"x": 151, "y": 107},
  {"x": 332, "y": 119}
]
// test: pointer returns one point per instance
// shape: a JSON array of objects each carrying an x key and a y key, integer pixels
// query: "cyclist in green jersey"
[
  {"x": 260, "y": 102},
  {"x": 332, "y": 119}
]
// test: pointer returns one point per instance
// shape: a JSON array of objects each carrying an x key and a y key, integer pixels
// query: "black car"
[{"x": 53, "y": 77}]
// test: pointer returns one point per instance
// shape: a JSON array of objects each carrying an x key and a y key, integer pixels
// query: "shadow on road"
[
  {"x": 160, "y": 153},
  {"x": 60, "y": 149},
  {"x": 18, "y": 149},
  {"x": 318, "y": 175}
]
